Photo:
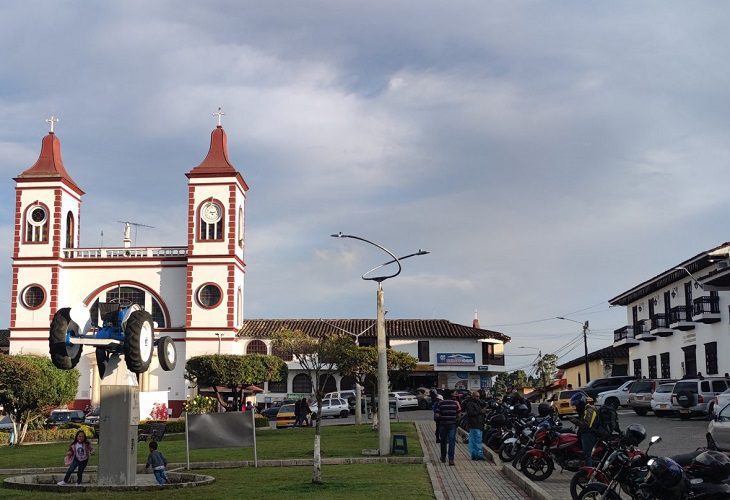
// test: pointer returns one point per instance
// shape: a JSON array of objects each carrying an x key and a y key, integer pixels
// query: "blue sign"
[{"x": 455, "y": 359}]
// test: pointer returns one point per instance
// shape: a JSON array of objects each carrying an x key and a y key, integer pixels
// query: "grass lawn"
[
  {"x": 340, "y": 481},
  {"x": 337, "y": 441}
]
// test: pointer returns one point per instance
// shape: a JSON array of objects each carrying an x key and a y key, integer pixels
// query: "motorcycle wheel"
[
  {"x": 578, "y": 484},
  {"x": 595, "y": 491},
  {"x": 63, "y": 356},
  {"x": 507, "y": 452},
  {"x": 537, "y": 468}
]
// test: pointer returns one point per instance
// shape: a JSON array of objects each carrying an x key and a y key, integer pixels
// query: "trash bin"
[{"x": 272, "y": 424}]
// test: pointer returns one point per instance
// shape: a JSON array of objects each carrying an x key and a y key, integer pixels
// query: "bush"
[
  {"x": 200, "y": 404},
  {"x": 88, "y": 429},
  {"x": 48, "y": 435},
  {"x": 261, "y": 421},
  {"x": 172, "y": 426}
]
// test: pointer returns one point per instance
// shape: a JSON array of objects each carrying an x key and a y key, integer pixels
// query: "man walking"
[
  {"x": 474, "y": 409},
  {"x": 447, "y": 413}
]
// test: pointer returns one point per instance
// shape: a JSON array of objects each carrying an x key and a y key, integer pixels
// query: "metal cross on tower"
[
  {"x": 52, "y": 120},
  {"x": 219, "y": 114}
]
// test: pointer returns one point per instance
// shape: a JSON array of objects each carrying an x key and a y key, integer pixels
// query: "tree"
[
  {"x": 317, "y": 355},
  {"x": 30, "y": 386},
  {"x": 362, "y": 364},
  {"x": 546, "y": 369},
  {"x": 513, "y": 380},
  {"x": 235, "y": 372}
]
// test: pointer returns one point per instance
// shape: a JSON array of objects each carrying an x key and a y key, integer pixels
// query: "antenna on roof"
[{"x": 136, "y": 225}]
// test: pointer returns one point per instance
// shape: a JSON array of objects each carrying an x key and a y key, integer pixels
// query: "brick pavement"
[{"x": 468, "y": 479}]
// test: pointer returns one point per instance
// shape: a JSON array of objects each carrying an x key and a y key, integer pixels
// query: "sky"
[{"x": 549, "y": 155}]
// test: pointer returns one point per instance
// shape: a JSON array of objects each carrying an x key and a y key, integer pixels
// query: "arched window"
[
  {"x": 256, "y": 347},
  {"x": 69, "y": 230},
  {"x": 36, "y": 224},
  {"x": 286, "y": 356},
  {"x": 239, "y": 307},
  {"x": 277, "y": 386},
  {"x": 347, "y": 383},
  {"x": 127, "y": 295},
  {"x": 240, "y": 227},
  {"x": 210, "y": 221},
  {"x": 327, "y": 383},
  {"x": 302, "y": 384}
]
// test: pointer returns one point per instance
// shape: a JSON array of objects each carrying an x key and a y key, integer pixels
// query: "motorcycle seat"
[{"x": 685, "y": 459}]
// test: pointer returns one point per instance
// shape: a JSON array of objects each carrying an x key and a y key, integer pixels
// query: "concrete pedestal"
[{"x": 118, "y": 423}]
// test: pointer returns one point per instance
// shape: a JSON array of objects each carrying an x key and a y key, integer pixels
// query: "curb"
[
  {"x": 520, "y": 480},
  {"x": 437, "y": 491},
  {"x": 237, "y": 464}
]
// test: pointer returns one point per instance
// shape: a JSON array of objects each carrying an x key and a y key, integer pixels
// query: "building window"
[
  {"x": 487, "y": 353},
  {"x": 240, "y": 227},
  {"x": 279, "y": 353},
  {"x": 347, "y": 383},
  {"x": 424, "y": 355},
  {"x": 637, "y": 368},
  {"x": 36, "y": 224},
  {"x": 652, "y": 366},
  {"x": 256, "y": 347},
  {"x": 209, "y": 295},
  {"x": 33, "y": 297},
  {"x": 302, "y": 384},
  {"x": 327, "y": 383},
  {"x": 664, "y": 359},
  {"x": 127, "y": 295},
  {"x": 69, "y": 230},
  {"x": 210, "y": 221},
  {"x": 711, "y": 358},
  {"x": 277, "y": 386},
  {"x": 239, "y": 307}
]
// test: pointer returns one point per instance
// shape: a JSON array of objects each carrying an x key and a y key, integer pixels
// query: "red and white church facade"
[{"x": 194, "y": 292}]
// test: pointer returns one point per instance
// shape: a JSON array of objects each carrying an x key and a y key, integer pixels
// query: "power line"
[{"x": 530, "y": 322}]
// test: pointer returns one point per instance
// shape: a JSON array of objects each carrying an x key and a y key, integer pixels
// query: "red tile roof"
[
  {"x": 49, "y": 164},
  {"x": 395, "y": 328}
]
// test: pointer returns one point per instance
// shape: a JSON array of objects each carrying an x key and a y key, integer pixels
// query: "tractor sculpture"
[{"x": 126, "y": 329}]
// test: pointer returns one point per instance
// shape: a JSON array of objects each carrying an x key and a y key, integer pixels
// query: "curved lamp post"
[
  {"x": 383, "y": 405},
  {"x": 585, "y": 343}
]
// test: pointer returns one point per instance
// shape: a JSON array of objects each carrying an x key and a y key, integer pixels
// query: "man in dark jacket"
[
  {"x": 297, "y": 413},
  {"x": 474, "y": 408},
  {"x": 608, "y": 420},
  {"x": 447, "y": 413}
]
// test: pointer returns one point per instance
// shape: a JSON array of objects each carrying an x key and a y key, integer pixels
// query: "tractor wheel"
[
  {"x": 166, "y": 353},
  {"x": 138, "y": 341},
  {"x": 63, "y": 356},
  {"x": 102, "y": 360}
]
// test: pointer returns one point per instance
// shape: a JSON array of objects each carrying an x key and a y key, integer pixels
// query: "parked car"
[
  {"x": 403, "y": 400},
  {"x": 5, "y": 423},
  {"x": 424, "y": 399},
  {"x": 661, "y": 400},
  {"x": 346, "y": 395},
  {"x": 92, "y": 418},
  {"x": 719, "y": 429},
  {"x": 599, "y": 385},
  {"x": 697, "y": 396},
  {"x": 721, "y": 401},
  {"x": 333, "y": 407},
  {"x": 641, "y": 392},
  {"x": 619, "y": 397},
  {"x": 285, "y": 416},
  {"x": 563, "y": 402},
  {"x": 65, "y": 416}
]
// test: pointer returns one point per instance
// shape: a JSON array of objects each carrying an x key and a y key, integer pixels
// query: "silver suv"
[
  {"x": 640, "y": 394},
  {"x": 696, "y": 396}
]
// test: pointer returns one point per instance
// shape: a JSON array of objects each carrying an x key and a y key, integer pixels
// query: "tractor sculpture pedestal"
[{"x": 118, "y": 423}]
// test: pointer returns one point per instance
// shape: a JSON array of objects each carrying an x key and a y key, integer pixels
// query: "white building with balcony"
[{"x": 678, "y": 322}]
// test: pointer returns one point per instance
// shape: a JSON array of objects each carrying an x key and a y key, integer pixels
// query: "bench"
[{"x": 156, "y": 433}]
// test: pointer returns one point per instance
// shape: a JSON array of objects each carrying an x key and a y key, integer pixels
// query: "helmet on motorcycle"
[
  {"x": 711, "y": 466},
  {"x": 578, "y": 398},
  {"x": 498, "y": 420},
  {"x": 544, "y": 409},
  {"x": 635, "y": 434},
  {"x": 522, "y": 410},
  {"x": 544, "y": 425},
  {"x": 666, "y": 472}
]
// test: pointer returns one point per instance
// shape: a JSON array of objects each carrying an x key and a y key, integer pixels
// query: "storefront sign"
[
  {"x": 455, "y": 359},
  {"x": 483, "y": 368}
]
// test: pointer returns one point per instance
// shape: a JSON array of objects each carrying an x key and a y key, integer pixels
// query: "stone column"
[{"x": 118, "y": 425}]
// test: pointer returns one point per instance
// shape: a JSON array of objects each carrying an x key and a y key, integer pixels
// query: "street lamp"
[
  {"x": 682, "y": 268},
  {"x": 585, "y": 343},
  {"x": 383, "y": 407}
]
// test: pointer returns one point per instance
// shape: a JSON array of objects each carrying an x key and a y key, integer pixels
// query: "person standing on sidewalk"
[
  {"x": 475, "y": 414},
  {"x": 447, "y": 413},
  {"x": 436, "y": 400}
]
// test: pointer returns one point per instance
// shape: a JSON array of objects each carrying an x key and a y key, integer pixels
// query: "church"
[{"x": 194, "y": 292}]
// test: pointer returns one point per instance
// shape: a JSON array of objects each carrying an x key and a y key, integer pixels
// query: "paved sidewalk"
[{"x": 468, "y": 479}]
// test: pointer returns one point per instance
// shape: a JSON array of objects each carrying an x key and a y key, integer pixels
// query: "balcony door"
[
  {"x": 667, "y": 302},
  {"x": 688, "y": 300},
  {"x": 690, "y": 360}
]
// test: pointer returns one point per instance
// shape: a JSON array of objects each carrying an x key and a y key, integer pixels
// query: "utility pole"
[{"x": 585, "y": 347}]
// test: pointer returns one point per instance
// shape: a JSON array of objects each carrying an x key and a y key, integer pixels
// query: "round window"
[
  {"x": 33, "y": 297},
  {"x": 209, "y": 295},
  {"x": 37, "y": 215}
]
